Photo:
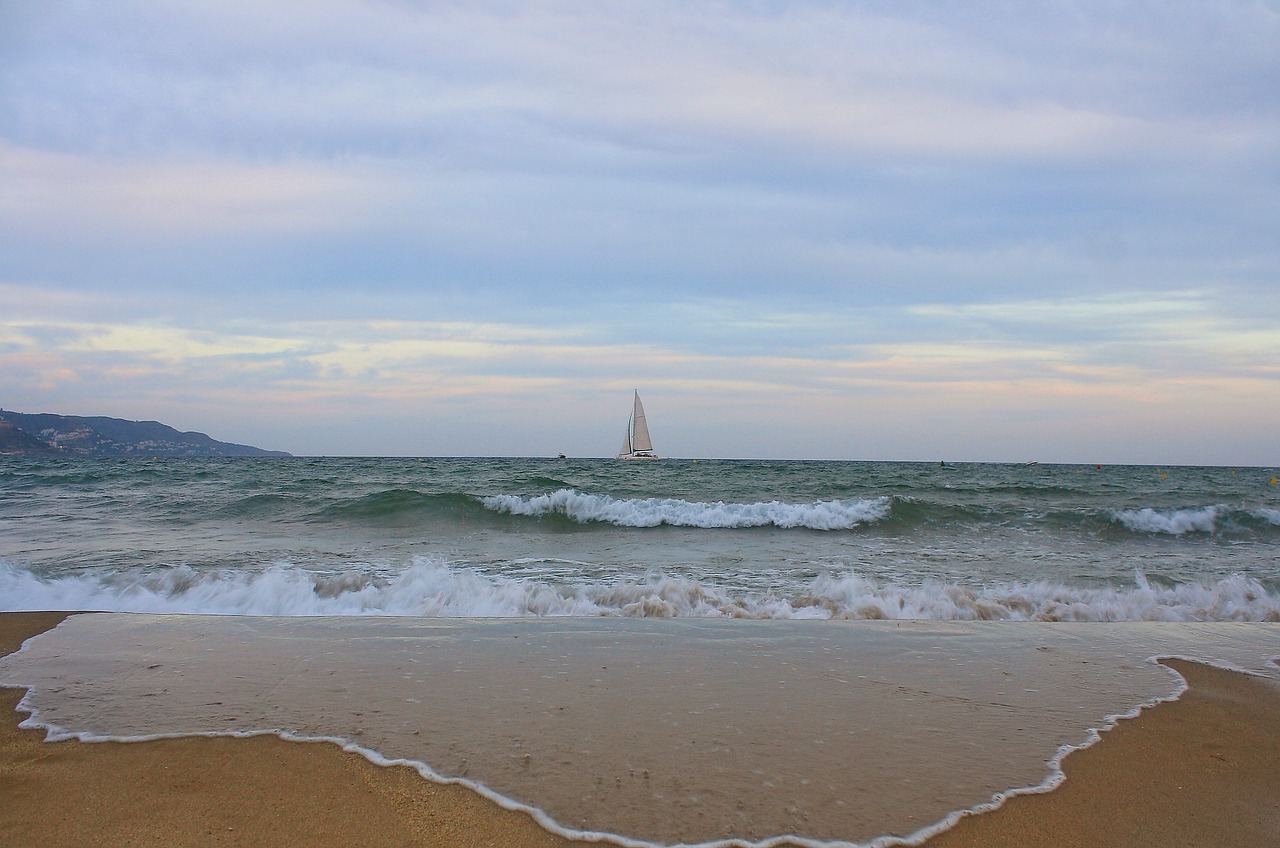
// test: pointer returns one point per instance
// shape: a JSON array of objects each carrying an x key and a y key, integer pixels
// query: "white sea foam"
[
  {"x": 1175, "y": 522},
  {"x": 651, "y": 512},
  {"x": 430, "y": 587}
]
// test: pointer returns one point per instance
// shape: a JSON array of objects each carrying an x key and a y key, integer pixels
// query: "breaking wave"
[
  {"x": 1205, "y": 519},
  {"x": 652, "y": 512},
  {"x": 430, "y": 587}
]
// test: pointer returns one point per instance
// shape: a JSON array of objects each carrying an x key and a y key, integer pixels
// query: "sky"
[{"x": 963, "y": 231}]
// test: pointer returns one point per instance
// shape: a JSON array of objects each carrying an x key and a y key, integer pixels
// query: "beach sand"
[
  {"x": 260, "y": 791},
  {"x": 1201, "y": 771}
]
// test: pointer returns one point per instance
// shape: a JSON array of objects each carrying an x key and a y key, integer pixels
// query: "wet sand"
[
  {"x": 1199, "y": 771},
  {"x": 261, "y": 791}
]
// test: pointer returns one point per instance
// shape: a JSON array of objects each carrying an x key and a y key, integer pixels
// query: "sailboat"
[{"x": 636, "y": 444}]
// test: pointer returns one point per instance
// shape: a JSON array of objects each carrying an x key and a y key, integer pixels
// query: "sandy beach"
[
  {"x": 262, "y": 791},
  {"x": 1196, "y": 772}
]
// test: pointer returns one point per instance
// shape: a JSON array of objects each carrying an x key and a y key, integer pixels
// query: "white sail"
[
  {"x": 637, "y": 444},
  {"x": 639, "y": 428}
]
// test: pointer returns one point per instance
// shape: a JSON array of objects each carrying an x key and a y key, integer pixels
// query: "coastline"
[
  {"x": 199, "y": 791},
  {"x": 1196, "y": 771}
]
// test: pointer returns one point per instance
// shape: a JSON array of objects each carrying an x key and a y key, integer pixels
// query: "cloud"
[
  {"x": 871, "y": 215},
  {"x": 52, "y": 192},
  {"x": 465, "y": 81},
  {"x": 1132, "y": 345}
]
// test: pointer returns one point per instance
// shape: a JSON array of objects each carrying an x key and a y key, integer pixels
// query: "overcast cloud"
[{"x": 866, "y": 230}]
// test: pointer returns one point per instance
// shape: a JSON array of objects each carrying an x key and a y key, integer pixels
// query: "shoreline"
[
  {"x": 1195, "y": 771},
  {"x": 199, "y": 790}
]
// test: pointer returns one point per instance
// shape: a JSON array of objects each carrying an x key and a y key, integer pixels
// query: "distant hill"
[
  {"x": 15, "y": 442},
  {"x": 44, "y": 434}
]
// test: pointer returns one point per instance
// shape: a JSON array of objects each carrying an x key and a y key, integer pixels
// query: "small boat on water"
[{"x": 636, "y": 444}]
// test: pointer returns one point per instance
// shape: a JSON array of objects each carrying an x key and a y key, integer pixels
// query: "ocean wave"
[
  {"x": 431, "y": 587},
  {"x": 1216, "y": 518},
  {"x": 1175, "y": 522},
  {"x": 396, "y": 506},
  {"x": 652, "y": 512},
  {"x": 256, "y": 506}
]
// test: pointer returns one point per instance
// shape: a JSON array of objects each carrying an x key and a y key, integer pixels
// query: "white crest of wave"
[
  {"x": 652, "y": 512},
  {"x": 1234, "y": 598},
  {"x": 426, "y": 588},
  {"x": 431, "y": 587},
  {"x": 1174, "y": 522}
]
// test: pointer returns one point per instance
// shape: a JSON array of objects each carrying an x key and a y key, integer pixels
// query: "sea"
[
  {"x": 666, "y": 539},
  {"x": 673, "y": 652}
]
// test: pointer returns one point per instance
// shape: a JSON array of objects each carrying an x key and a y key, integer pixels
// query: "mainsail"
[{"x": 636, "y": 443}]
